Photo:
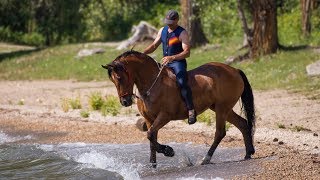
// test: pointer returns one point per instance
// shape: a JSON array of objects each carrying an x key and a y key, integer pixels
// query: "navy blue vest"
[{"x": 171, "y": 44}]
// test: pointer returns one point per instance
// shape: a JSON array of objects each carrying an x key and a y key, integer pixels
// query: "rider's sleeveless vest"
[{"x": 171, "y": 44}]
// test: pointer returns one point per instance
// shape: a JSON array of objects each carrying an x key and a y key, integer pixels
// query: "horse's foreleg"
[
  {"x": 219, "y": 135},
  {"x": 242, "y": 125},
  {"x": 152, "y": 136},
  {"x": 154, "y": 145}
]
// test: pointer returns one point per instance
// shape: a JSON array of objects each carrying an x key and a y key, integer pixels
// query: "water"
[{"x": 112, "y": 161}]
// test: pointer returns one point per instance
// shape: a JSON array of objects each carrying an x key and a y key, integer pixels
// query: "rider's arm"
[
  {"x": 152, "y": 47},
  {"x": 184, "y": 38}
]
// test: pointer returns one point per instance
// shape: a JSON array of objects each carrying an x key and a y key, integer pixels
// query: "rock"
[
  {"x": 275, "y": 140},
  {"x": 141, "y": 124},
  {"x": 280, "y": 142},
  {"x": 313, "y": 69},
  {"x": 315, "y": 134},
  {"x": 89, "y": 52}
]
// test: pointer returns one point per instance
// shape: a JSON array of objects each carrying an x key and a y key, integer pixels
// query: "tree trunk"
[
  {"x": 247, "y": 32},
  {"x": 265, "y": 31},
  {"x": 306, "y": 17},
  {"x": 192, "y": 23}
]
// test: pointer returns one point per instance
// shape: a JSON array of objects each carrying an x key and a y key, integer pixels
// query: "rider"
[{"x": 176, "y": 48}]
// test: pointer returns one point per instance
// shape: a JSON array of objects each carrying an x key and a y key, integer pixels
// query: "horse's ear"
[{"x": 107, "y": 66}]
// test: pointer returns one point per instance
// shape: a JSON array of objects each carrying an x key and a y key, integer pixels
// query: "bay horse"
[{"x": 214, "y": 85}]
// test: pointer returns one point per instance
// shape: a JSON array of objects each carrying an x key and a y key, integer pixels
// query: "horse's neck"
[{"x": 146, "y": 74}]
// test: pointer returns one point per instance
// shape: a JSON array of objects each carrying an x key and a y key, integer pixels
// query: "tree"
[
  {"x": 265, "y": 31},
  {"x": 192, "y": 22},
  {"x": 306, "y": 17}
]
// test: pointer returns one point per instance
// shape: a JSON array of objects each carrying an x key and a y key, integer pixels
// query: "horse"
[{"x": 214, "y": 86}]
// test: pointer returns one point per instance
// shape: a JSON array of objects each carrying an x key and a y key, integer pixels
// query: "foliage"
[
  {"x": 65, "y": 104},
  {"x": 75, "y": 103},
  {"x": 111, "y": 106},
  {"x": 281, "y": 126},
  {"x": 206, "y": 117},
  {"x": 84, "y": 113},
  {"x": 96, "y": 101},
  {"x": 21, "y": 102},
  {"x": 220, "y": 20}
]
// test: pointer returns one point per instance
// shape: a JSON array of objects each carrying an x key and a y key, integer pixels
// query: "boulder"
[{"x": 313, "y": 69}]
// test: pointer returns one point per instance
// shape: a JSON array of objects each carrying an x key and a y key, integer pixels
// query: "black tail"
[{"x": 248, "y": 102}]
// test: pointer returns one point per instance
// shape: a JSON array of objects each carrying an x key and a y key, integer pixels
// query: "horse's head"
[{"x": 121, "y": 78}]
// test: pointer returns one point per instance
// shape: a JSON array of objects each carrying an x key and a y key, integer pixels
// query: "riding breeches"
[{"x": 180, "y": 70}]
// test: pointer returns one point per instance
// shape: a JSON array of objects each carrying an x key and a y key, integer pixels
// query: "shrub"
[
  {"x": 34, "y": 39},
  {"x": 75, "y": 103},
  {"x": 84, "y": 114},
  {"x": 111, "y": 106},
  {"x": 65, "y": 104},
  {"x": 95, "y": 100},
  {"x": 206, "y": 117}
]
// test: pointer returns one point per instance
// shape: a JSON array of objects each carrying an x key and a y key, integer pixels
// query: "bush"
[
  {"x": 111, "y": 106},
  {"x": 65, "y": 104},
  {"x": 75, "y": 103},
  {"x": 96, "y": 101},
  {"x": 206, "y": 117},
  {"x": 34, "y": 39},
  {"x": 84, "y": 114}
]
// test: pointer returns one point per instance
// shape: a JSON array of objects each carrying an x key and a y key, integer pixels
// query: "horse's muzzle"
[{"x": 126, "y": 100}]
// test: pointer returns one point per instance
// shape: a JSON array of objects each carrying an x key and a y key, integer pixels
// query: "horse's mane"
[{"x": 137, "y": 54}]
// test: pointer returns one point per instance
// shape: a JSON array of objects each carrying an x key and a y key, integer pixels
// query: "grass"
[
  {"x": 96, "y": 100},
  {"x": 21, "y": 102},
  {"x": 281, "y": 126},
  {"x": 300, "y": 128},
  {"x": 84, "y": 113},
  {"x": 65, "y": 104},
  {"x": 111, "y": 106},
  {"x": 75, "y": 103},
  {"x": 282, "y": 70},
  {"x": 206, "y": 117}
]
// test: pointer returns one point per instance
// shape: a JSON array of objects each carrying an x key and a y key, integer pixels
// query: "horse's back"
[{"x": 220, "y": 79}]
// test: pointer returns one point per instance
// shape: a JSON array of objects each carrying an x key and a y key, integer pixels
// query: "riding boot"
[{"x": 192, "y": 116}]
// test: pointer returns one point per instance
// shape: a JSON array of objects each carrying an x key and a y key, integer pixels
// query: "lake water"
[{"x": 114, "y": 161}]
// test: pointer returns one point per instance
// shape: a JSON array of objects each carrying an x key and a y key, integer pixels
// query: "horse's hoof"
[
  {"x": 168, "y": 151},
  {"x": 206, "y": 160},
  {"x": 154, "y": 165},
  {"x": 247, "y": 157}
]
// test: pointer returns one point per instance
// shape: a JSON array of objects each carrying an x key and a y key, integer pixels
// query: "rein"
[{"x": 154, "y": 82}]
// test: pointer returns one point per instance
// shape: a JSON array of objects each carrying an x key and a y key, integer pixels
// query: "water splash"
[
  {"x": 98, "y": 160},
  {"x": 4, "y": 138}
]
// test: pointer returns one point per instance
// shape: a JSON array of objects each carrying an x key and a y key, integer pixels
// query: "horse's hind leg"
[
  {"x": 221, "y": 116},
  {"x": 242, "y": 125}
]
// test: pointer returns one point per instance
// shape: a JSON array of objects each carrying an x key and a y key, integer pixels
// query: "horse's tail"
[{"x": 248, "y": 103}]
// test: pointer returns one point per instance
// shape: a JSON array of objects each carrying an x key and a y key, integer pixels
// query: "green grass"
[
  {"x": 96, "y": 100},
  {"x": 111, "y": 106},
  {"x": 282, "y": 70},
  {"x": 84, "y": 113},
  {"x": 75, "y": 103}
]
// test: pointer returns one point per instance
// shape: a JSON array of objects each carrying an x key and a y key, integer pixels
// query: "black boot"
[{"x": 192, "y": 116}]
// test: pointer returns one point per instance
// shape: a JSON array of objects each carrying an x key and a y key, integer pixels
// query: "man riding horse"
[{"x": 176, "y": 48}]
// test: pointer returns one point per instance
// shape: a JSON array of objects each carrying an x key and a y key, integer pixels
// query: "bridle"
[{"x": 131, "y": 80}]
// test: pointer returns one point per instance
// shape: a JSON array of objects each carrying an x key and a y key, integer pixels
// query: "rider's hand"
[{"x": 167, "y": 59}]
